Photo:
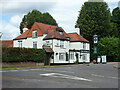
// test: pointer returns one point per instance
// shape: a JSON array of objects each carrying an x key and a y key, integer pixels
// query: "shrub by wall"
[{"x": 10, "y": 54}]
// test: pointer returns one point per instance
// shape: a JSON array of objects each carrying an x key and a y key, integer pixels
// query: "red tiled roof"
[
  {"x": 40, "y": 27},
  {"x": 23, "y": 35},
  {"x": 74, "y": 37},
  {"x": 7, "y": 43},
  {"x": 51, "y": 32},
  {"x": 54, "y": 34},
  {"x": 45, "y": 27}
]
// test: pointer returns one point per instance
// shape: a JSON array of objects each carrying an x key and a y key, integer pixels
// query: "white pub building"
[{"x": 60, "y": 47}]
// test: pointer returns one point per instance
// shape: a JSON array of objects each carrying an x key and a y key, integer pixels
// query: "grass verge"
[{"x": 17, "y": 68}]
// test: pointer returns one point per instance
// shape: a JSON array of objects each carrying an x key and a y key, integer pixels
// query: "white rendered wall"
[
  {"x": 79, "y": 46},
  {"x": 28, "y": 43},
  {"x": 57, "y": 49},
  {"x": 76, "y": 45}
]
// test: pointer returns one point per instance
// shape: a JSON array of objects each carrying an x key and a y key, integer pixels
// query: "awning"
[{"x": 48, "y": 49}]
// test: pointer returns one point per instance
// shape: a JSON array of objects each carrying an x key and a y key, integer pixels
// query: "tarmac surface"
[{"x": 75, "y": 76}]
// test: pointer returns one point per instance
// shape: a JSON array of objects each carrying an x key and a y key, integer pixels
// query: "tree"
[
  {"x": 36, "y": 16},
  {"x": 94, "y": 18},
  {"x": 109, "y": 46},
  {"x": 48, "y": 19},
  {"x": 116, "y": 18}
]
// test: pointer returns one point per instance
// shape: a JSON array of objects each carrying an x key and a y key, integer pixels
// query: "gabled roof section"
[
  {"x": 23, "y": 35},
  {"x": 45, "y": 27},
  {"x": 54, "y": 34},
  {"x": 41, "y": 29},
  {"x": 74, "y": 37}
]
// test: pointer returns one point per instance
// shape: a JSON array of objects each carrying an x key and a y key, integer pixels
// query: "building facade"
[{"x": 60, "y": 47}]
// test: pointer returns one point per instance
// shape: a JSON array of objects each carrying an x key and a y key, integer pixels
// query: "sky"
[{"x": 65, "y": 12}]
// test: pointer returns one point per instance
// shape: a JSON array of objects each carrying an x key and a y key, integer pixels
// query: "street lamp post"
[{"x": 95, "y": 40}]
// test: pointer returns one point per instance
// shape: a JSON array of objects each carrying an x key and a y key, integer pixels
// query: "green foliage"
[
  {"x": 10, "y": 54},
  {"x": 116, "y": 19},
  {"x": 94, "y": 18},
  {"x": 36, "y": 16},
  {"x": 109, "y": 46}
]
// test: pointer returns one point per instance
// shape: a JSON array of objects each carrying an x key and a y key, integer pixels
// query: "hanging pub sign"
[
  {"x": 95, "y": 50},
  {"x": 95, "y": 37},
  {"x": 84, "y": 51}
]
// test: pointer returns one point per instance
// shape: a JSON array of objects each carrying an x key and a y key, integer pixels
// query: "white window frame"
[
  {"x": 61, "y": 56},
  {"x": 20, "y": 44},
  {"x": 61, "y": 44},
  {"x": 71, "y": 55},
  {"x": 84, "y": 45},
  {"x": 34, "y": 33},
  {"x": 35, "y": 44},
  {"x": 61, "y": 33},
  {"x": 84, "y": 57}
]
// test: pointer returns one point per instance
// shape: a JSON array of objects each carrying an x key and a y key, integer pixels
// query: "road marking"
[
  {"x": 3, "y": 71},
  {"x": 58, "y": 71},
  {"x": 104, "y": 76},
  {"x": 35, "y": 69},
  {"x": 114, "y": 77},
  {"x": 64, "y": 76},
  {"x": 97, "y": 75},
  {"x": 13, "y": 70}
]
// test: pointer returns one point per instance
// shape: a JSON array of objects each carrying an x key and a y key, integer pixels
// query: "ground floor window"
[
  {"x": 84, "y": 56},
  {"x": 71, "y": 55},
  {"x": 34, "y": 44},
  {"x": 20, "y": 44},
  {"x": 61, "y": 56}
]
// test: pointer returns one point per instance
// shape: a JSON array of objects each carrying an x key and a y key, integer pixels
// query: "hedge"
[{"x": 10, "y": 54}]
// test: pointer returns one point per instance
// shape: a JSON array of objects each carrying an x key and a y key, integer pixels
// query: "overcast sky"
[{"x": 65, "y": 12}]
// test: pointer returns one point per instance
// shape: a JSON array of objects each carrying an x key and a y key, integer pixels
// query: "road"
[{"x": 75, "y": 76}]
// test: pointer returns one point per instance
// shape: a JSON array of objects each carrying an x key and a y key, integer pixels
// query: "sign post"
[{"x": 95, "y": 40}]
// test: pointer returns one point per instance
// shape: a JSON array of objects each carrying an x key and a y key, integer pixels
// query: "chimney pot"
[
  {"x": 25, "y": 26},
  {"x": 76, "y": 26}
]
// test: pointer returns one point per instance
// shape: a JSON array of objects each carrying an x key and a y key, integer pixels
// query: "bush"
[
  {"x": 109, "y": 46},
  {"x": 10, "y": 54}
]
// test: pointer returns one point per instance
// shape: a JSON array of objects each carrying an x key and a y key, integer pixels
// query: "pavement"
[{"x": 75, "y": 76}]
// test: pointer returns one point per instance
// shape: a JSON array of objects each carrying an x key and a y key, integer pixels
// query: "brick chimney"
[
  {"x": 77, "y": 29},
  {"x": 25, "y": 28}
]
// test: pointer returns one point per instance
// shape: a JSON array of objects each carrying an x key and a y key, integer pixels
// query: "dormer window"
[
  {"x": 61, "y": 33},
  {"x": 34, "y": 34},
  {"x": 68, "y": 38}
]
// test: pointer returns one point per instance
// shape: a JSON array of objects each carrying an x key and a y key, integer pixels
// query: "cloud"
[
  {"x": 8, "y": 30},
  {"x": 15, "y": 20},
  {"x": 65, "y": 13},
  {"x": 20, "y": 7}
]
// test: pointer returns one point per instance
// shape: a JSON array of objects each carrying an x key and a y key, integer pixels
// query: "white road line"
[
  {"x": 23, "y": 70},
  {"x": 114, "y": 77},
  {"x": 64, "y": 76},
  {"x": 97, "y": 75},
  {"x": 35, "y": 69},
  {"x": 58, "y": 71},
  {"x": 3, "y": 71},
  {"x": 13, "y": 70},
  {"x": 104, "y": 76}
]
